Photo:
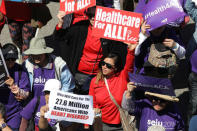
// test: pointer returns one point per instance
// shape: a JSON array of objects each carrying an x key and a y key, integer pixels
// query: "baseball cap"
[
  {"x": 52, "y": 84},
  {"x": 10, "y": 51}
]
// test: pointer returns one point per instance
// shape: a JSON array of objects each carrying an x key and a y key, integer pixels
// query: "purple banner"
[
  {"x": 152, "y": 84},
  {"x": 161, "y": 12}
]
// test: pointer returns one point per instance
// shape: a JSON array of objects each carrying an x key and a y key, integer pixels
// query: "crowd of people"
[{"x": 74, "y": 60}]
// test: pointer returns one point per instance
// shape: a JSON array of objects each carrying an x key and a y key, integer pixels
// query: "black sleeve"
[
  {"x": 99, "y": 2},
  {"x": 49, "y": 128}
]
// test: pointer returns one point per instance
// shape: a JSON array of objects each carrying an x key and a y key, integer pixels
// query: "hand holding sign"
[
  {"x": 43, "y": 110},
  {"x": 169, "y": 43},
  {"x": 14, "y": 89},
  {"x": 144, "y": 27},
  {"x": 130, "y": 88},
  {"x": 60, "y": 16},
  {"x": 9, "y": 81},
  {"x": 132, "y": 47}
]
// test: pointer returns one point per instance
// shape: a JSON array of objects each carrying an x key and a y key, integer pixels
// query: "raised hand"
[
  {"x": 60, "y": 16},
  {"x": 144, "y": 27},
  {"x": 130, "y": 88},
  {"x": 169, "y": 43}
]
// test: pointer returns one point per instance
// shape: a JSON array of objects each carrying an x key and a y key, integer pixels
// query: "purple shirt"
[
  {"x": 193, "y": 61},
  {"x": 170, "y": 119},
  {"x": 13, "y": 107},
  {"x": 28, "y": 111},
  {"x": 41, "y": 75}
]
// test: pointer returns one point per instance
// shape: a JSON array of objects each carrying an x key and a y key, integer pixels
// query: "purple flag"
[
  {"x": 161, "y": 12},
  {"x": 152, "y": 84}
]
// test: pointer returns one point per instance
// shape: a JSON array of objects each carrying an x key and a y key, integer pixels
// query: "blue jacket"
[{"x": 62, "y": 73}]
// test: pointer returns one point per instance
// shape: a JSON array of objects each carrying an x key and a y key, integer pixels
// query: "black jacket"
[{"x": 69, "y": 44}]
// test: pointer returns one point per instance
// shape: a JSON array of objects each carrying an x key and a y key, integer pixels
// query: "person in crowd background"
[
  {"x": 110, "y": 68},
  {"x": 42, "y": 65},
  {"x": 18, "y": 16},
  {"x": 163, "y": 39},
  {"x": 23, "y": 19},
  {"x": 3, "y": 125},
  {"x": 154, "y": 111},
  {"x": 192, "y": 106},
  {"x": 43, "y": 123},
  {"x": 82, "y": 51},
  {"x": 16, "y": 88},
  {"x": 191, "y": 9},
  {"x": 28, "y": 112}
]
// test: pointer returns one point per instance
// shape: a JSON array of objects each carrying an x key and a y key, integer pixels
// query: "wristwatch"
[{"x": 3, "y": 125}]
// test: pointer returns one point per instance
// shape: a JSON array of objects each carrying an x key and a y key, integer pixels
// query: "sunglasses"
[
  {"x": 109, "y": 66},
  {"x": 158, "y": 100}
]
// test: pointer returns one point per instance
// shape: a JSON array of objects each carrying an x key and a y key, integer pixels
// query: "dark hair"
[
  {"x": 10, "y": 51},
  {"x": 90, "y": 12},
  {"x": 2, "y": 110},
  {"x": 117, "y": 63}
]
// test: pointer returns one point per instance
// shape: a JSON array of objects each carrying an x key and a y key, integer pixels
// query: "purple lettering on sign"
[{"x": 152, "y": 84}]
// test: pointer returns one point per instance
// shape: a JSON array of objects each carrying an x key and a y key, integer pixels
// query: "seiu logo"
[
  {"x": 154, "y": 123},
  {"x": 39, "y": 80},
  {"x": 165, "y": 124}
]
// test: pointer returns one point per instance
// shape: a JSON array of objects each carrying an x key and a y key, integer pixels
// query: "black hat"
[{"x": 10, "y": 51}]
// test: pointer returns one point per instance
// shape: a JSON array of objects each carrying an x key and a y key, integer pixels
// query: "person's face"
[
  {"x": 46, "y": 95},
  {"x": 10, "y": 63},
  {"x": 158, "y": 31},
  {"x": 91, "y": 21},
  {"x": 108, "y": 66},
  {"x": 38, "y": 59},
  {"x": 158, "y": 104}
]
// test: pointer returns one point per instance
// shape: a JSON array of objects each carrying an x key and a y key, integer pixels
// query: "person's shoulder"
[{"x": 58, "y": 61}]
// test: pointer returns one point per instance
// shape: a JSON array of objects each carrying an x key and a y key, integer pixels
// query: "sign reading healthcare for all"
[
  {"x": 3, "y": 69},
  {"x": 117, "y": 24},
  {"x": 70, "y": 6},
  {"x": 70, "y": 107},
  {"x": 162, "y": 12}
]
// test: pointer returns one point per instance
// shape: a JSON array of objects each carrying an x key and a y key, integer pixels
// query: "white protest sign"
[{"x": 70, "y": 107}]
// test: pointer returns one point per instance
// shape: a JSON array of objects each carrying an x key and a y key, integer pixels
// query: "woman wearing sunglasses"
[
  {"x": 117, "y": 78},
  {"x": 155, "y": 112}
]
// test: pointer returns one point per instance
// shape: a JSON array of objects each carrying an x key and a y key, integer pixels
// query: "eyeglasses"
[{"x": 109, "y": 66}]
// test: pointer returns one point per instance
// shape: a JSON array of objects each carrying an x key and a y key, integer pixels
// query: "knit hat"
[
  {"x": 10, "y": 51},
  {"x": 37, "y": 47}
]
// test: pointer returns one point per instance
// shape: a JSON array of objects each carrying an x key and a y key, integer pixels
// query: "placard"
[
  {"x": 152, "y": 84},
  {"x": 117, "y": 24},
  {"x": 70, "y": 6},
  {"x": 70, "y": 107},
  {"x": 161, "y": 12}
]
